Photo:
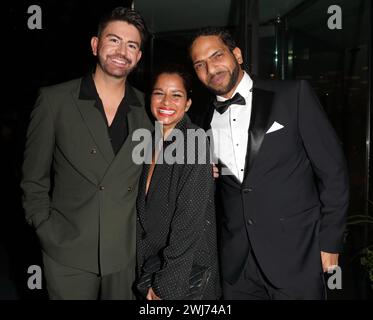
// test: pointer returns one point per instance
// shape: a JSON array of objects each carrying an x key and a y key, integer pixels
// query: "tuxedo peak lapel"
[
  {"x": 96, "y": 126},
  {"x": 259, "y": 123}
]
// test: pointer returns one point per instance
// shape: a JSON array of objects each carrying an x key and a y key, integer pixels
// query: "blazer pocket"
[
  {"x": 275, "y": 133},
  {"x": 301, "y": 219}
]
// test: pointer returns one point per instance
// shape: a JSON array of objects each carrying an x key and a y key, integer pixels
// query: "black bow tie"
[{"x": 222, "y": 106}]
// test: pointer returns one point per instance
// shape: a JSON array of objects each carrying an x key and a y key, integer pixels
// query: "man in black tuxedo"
[{"x": 283, "y": 180}]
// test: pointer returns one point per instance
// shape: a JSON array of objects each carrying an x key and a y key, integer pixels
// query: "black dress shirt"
[{"x": 118, "y": 130}]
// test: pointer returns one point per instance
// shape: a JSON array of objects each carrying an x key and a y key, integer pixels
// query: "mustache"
[{"x": 121, "y": 57}]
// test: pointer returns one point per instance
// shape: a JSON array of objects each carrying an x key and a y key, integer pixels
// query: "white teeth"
[
  {"x": 119, "y": 61},
  {"x": 168, "y": 112}
]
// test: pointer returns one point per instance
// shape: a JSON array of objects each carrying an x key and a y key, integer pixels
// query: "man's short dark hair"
[
  {"x": 222, "y": 33},
  {"x": 127, "y": 15}
]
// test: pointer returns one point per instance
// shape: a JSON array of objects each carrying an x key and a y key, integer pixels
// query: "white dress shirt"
[{"x": 230, "y": 130}]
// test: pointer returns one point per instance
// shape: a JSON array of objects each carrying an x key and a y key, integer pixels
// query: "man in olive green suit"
[{"x": 79, "y": 180}]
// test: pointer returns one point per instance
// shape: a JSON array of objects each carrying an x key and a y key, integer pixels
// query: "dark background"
[{"x": 290, "y": 41}]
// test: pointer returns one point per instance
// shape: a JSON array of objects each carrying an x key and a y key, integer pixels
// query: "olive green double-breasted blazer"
[{"x": 78, "y": 195}]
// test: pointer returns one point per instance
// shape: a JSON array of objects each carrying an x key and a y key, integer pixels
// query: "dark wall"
[{"x": 58, "y": 52}]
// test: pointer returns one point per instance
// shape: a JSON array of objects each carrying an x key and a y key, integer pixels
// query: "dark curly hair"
[
  {"x": 222, "y": 33},
  {"x": 127, "y": 15}
]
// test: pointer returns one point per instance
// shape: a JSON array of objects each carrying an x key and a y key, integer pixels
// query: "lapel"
[
  {"x": 145, "y": 199},
  {"x": 160, "y": 169},
  {"x": 96, "y": 126},
  {"x": 259, "y": 124},
  {"x": 123, "y": 159},
  {"x": 159, "y": 173},
  {"x": 141, "y": 199},
  {"x": 155, "y": 180}
]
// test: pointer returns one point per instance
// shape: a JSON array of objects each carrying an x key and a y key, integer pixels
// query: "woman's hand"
[
  {"x": 151, "y": 295},
  {"x": 215, "y": 171}
]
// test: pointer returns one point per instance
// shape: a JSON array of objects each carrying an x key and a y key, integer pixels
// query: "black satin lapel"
[{"x": 259, "y": 122}]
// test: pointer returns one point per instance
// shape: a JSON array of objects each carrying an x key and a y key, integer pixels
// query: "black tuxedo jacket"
[{"x": 292, "y": 203}]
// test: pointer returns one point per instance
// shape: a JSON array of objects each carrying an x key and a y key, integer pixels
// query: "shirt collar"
[
  {"x": 243, "y": 88},
  {"x": 87, "y": 88},
  {"x": 88, "y": 91}
]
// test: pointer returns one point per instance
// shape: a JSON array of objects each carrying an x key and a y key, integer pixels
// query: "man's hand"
[
  {"x": 215, "y": 171},
  {"x": 329, "y": 260},
  {"x": 151, "y": 295}
]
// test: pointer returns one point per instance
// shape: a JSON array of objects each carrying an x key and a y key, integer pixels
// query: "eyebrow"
[
  {"x": 134, "y": 42},
  {"x": 176, "y": 90},
  {"x": 118, "y": 37},
  {"x": 211, "y": 56}
]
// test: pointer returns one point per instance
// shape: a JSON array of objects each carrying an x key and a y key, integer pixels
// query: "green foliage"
[
  {"x": 367, "y": 261},
  {"x": 366, "y": 254}
]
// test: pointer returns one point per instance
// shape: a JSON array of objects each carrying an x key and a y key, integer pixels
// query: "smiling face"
[
  {"x": 169, "y": 100},
  {"x": 117, "y": 49},
  {"x": 216, "y": 66}
]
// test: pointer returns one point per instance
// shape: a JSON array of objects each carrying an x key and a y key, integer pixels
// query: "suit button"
[
  {"x": 143, "y": 236},
  {"x": 102, "y": 188},
  {"x": 250, "y": 222},
  {"x": 93, "y": 151},
  {"x": 247, "y": 190},
  {"x": 129, "y": 189}
]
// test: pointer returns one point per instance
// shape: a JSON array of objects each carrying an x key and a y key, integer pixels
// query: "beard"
[
  {"x": 113, "y": 71},
  {"x": 233, "y": 78}
]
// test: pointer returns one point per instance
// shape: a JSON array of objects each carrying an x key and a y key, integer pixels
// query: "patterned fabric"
[{"x": 176, "y": 220}]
